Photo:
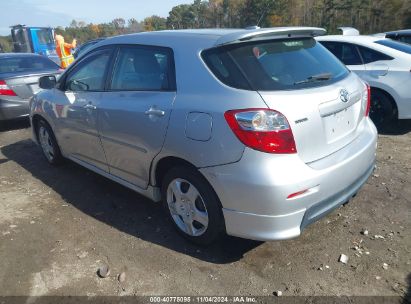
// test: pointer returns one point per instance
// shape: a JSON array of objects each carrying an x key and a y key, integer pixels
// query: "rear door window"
[
  {"x": 140, "y": 68},
  {"x": 346, "y": 52},
  {"x": 370, "y": 56},
  {"x": 286, "y": 64}
]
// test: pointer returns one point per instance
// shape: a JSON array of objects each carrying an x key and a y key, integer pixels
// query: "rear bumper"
[
  {"x": 254, "y": 191},
  {"x": 13, "y": 109}
]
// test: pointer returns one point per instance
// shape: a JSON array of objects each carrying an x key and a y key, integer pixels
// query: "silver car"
[
  {"x": 19, "y": 81},
  {"x": 255, "y": 132}
]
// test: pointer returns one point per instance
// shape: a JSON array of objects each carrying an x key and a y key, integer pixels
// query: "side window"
[
  {"x": 350, "y": 55},
  {"x": 89, "y": 74},
  {"x": 369, "y": 55},
  {"x": 143, "y": 69},
  {"x": 346, "y": 52},
  {"x": 333, "y": 47}
]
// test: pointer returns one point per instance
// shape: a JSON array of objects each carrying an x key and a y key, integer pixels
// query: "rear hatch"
[
  {"x": 21, "y": 72},
  {"x": 23, "y": 85},
  {"x": 322, "y": 101},
  {"x": 321, "y": 122}
]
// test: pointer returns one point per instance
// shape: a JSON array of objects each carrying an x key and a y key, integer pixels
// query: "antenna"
[{"x": 264, "y": 12}]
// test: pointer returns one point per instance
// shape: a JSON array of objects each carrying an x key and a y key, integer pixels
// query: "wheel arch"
[
  {"x": 166, "y": 163},
  {"x": 162, "y": 166},
  {"x": 35, "y": 120},
  {"x": 389, "y": 96}
]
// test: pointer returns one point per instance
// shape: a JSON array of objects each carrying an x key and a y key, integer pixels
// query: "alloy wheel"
[
  {"x": 187, "y": 207},
  {"x": 46, "y": 143}
]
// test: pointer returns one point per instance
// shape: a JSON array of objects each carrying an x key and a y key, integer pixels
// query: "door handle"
[
  {"x": 155, "y": 111},
  {"x": 90, "y": 106}
]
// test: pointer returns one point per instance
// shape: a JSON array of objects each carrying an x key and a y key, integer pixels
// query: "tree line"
[{"x": 369, "y": 16}]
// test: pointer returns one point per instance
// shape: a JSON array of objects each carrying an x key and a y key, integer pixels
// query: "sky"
[{"x": 61, "y": 12}]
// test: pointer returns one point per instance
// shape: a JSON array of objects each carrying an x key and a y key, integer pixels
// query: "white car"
[{"x": 385, "y": 64}]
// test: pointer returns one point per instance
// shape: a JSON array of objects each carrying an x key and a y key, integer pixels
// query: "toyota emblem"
[{"x": 344, "y": 95}]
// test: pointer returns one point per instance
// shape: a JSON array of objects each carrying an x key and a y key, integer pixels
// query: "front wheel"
[
  {"x": 192, "y": 205},
  {"x": 48, "y": 143}
]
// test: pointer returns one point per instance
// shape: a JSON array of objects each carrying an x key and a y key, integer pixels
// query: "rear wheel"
[
  {"x": 383, "y": 111},
  {"x": 192, "y": 205},
  {"x": 48, "y": 143}
]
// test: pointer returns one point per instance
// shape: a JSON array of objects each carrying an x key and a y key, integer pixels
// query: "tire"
[
  {"x": 192, "y": 205},
  {"x": 383, "y": 111},
  {"x": 48, "y": 143}
]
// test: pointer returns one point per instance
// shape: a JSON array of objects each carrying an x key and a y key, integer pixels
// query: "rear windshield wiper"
[{"x": 319, "y": 77}]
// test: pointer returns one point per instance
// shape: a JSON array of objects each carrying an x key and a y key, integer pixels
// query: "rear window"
[
  {"x": 402, "y": 47},
  {"x": 287, "y": 64},
  {"x": 26, "y": 63}
]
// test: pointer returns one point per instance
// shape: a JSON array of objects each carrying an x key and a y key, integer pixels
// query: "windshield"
[
  {"x": 45, "y": 36},
  {"x": 26, "y": 63},
  {"x": 288, "y": 64},
  {"x": 399, "y": 46}
]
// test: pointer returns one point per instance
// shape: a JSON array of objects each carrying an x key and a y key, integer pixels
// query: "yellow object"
[{"x": 63, "y": 50}]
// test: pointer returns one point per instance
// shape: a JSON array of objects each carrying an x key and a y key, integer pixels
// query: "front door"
[
  {"x": 135, "y": 110},
  {"x": 83, "y": 89}
]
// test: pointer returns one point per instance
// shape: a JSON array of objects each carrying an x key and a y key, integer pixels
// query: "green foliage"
[
  {"x": 369, "y": 16},
  {"x": 155, "y": 23},
  {"x": 6, "y": 44}
]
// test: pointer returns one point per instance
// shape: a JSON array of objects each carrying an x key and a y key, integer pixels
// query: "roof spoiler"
[
  {"x": 266, "y": 33},
  {"x": 349, "y": 31}
]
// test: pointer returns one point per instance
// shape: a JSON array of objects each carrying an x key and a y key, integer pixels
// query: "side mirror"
[{"x": 47, "y": 82}]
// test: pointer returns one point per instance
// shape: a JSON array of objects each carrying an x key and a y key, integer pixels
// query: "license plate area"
[{"x": 339, "y": 124}]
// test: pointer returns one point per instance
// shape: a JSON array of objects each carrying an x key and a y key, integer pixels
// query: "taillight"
[
  {"x": 5, "y": 90},
  {"x": 262, "y": 129},
  {"x": 368, "y": 101}
]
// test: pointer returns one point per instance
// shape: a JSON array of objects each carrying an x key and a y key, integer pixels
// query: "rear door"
[
  {"x": 376, "y": 63},
  {"x": 348, "y": 54},
  {"x": 134, "y": 113}
]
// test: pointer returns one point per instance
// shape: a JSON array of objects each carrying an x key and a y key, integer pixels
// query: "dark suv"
[{"x": 402, "y": 36}]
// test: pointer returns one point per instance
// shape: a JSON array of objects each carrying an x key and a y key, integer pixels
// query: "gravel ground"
[{"x": 59, "y": 225}]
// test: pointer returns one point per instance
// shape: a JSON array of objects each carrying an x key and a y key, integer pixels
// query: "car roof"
[
  {"x": 211, "y": 37},
  {"x": 93, "y": 40},
  {"x": 366, "y": 41},
  {"x": 349, "y": 38},
  {"x": 400, "y": 32}
]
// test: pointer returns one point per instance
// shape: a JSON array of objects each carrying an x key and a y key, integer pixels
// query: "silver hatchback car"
[{"x": 254, "y": 132}]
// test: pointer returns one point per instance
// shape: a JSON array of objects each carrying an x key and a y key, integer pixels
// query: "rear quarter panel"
[{"x": 396, "y": 83}]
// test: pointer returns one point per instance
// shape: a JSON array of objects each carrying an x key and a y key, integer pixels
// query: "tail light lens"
[
  {"x": 262, "y": 129},
  {"x": 367, "y": 100},
  {"x": 5, "y": 90}
]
